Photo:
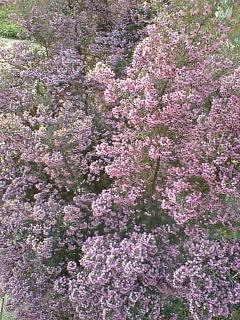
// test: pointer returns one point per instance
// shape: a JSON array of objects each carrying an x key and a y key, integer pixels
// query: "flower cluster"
[{"x": 120, "y": 162}]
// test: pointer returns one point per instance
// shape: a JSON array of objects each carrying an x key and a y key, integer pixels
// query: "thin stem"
[
  {"x": 67, "y": 163},
  {"x": 154, "y": 182},
  {"x": 2, "y": 307}
]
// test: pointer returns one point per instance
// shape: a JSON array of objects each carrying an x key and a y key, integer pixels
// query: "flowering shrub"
[{"x": 120, "y": 163}]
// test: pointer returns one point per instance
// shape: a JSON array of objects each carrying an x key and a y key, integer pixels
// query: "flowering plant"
[{"x": 120, "y": 163}]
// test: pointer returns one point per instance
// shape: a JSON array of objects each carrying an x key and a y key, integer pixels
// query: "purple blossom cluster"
[{"x": 120, "y": 162}]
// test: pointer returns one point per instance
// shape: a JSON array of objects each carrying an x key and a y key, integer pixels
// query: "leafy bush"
[{"x": 119, "y": 176}]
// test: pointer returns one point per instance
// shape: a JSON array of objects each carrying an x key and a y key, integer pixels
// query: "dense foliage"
[
  {"x": 120, "y": 162},
  {"x": 8, "y": 29}
]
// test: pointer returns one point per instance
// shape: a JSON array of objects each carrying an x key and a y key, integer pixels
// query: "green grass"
[
  {"x": 4, "y": 315},
  {"x": 9, "y": 29}
]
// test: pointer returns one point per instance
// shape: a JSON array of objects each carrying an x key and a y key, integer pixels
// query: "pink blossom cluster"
[{"x": 120, "y": 163}]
